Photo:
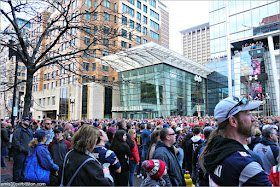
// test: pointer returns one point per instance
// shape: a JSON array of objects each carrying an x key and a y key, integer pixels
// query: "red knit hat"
[{"x": 154, "y": 168}]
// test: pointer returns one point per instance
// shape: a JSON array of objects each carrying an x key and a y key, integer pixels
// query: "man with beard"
[
  {"x": 47, "y": 124},
  {"x": 224, "y": 157},
  {"x": 21, "y": 138}
]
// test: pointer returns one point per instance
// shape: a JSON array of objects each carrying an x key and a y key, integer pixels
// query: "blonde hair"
[
  {"x": 47, "y": 119},
  {"x": 33, "y": 143},
  {"x": 131, "y": 132},
  {"x": 85, "y": 138}
]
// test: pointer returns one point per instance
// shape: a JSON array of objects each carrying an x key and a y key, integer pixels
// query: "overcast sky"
[{"x": 183, "y": 15}]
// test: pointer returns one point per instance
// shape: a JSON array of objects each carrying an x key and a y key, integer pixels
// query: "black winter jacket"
[
  {"x": 21, "y": 138},
  {"x": 91, "y": 174},
  {"x": 174, "y": 176},
  {"x": 4, "y": 137}
]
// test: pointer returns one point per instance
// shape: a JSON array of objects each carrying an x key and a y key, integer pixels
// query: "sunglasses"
[
  {"x": 171, "y": 134},
  {"x": 243, "y": 101},
  {"x": 48, "y": 123}
]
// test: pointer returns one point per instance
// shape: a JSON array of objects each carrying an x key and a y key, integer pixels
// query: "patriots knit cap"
[{"x": 154, "y": 168}]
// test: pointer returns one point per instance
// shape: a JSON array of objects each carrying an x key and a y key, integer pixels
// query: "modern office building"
[
  {"x": 196, "y": 43},
  {"x": 115, "y": 26},
  {"x": 158, "y": 82},
  {"x": 236, "y": 30}
]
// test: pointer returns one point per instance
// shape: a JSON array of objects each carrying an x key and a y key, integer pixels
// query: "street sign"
[
  {"x": 198, "y": 108},
  {"x": 15, "y": 111}
]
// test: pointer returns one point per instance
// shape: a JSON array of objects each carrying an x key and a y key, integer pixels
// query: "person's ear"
[{"x": 233, "y": 121}]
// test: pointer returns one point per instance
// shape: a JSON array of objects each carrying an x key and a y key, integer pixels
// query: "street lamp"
[{"x": 198, "y": 80}]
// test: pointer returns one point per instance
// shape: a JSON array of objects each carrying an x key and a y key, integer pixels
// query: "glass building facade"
[
  {"x": 244, "y": 16},
  {"x": 161, "y": 90}
]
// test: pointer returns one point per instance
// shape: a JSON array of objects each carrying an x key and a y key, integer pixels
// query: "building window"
[
  {"x": 87, "y": 15},
  {"x": 107, "y": 4},
  {"x": 44, "y": 101},
  {"x": 127, "y": 9},
  {"x": 154, "y": 35},
  {"x": 152, "y": 3},
  {"x": 88, "y": 3},
  {"x": 124, "y": 33},
  {"x": 86, "y": 54},
  {"x": 94, "y": 42},
  {"x": 139, "y": 4},
  {"x": 144, "y": 41},
  {"x": 145, "y": 30},
  {"x": 87, "y": 29},
  {"x": 115, "y": 6},
  {"x": 49, "y": 100},
  {"x": 131, "y": 1},
  {"x": 105, "y": 53},
  {"x": 129, "y": 45},
  {"x": 105, "y": 68},
  {"x": 114, "y": 43},
  {"x": 85, "y": 66},
  {"x": 154, "y": 25},
  {"x": 106, "y": 42},
  {"x": 138, "y": 27},
  {"x": 131, "y": 24},
  {"x": 85, "y": 78},
  {"x": 86, "y": 41},
  {"x": 106, "y": 30},
  {"x": 106, "y": 17},
  {"x": 40, "y": 102},
  {"x": 130, "y": 36},
  {"x": 53, "y": 100},
  {"x": 115, "y": 19},
  {"x": 104, "y": 78},
  {"x": 138, "y": 39},
  {"x": 124, "y": 20},
  {"x": 93, "y": 78},
  {"x": 95, "y": 3},
  {"x": 138, "y": 16},
  {"x": 95, "y": 16},
  {"x": 123, "y": 44},
  {"x": 145, "y": 8},
  {"x": 145, "y": 20},
  {"x": 94, "y": 53},
  {"x": 93, "y": 66},
  {"x": 154, "y": 14}
]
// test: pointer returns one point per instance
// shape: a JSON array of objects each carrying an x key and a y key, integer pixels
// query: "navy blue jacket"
[
  {"x": 44, "y": 158},
  {"x": 145, "y": 138}
]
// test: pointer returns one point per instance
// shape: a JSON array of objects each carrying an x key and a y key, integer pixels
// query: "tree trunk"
[{"x": 28, "y": 93}]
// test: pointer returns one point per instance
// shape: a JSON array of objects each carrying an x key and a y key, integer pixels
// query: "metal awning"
[{"x": 152, "y": 54}]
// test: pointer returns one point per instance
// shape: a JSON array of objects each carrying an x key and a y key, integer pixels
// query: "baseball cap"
[
  {"x": 165, "y": 125},
  {"x": 58, "y": 129},
  {"x": 25, "y": 119},
  {"x": 179, "y": 129},
  {"x": 40, "y": 134},
  {"x": 232, "y": 105}
]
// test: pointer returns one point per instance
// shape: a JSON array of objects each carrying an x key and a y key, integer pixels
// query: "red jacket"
[
  {"x": 135, "y": 152},
  {"x": 274, "y": 175}
]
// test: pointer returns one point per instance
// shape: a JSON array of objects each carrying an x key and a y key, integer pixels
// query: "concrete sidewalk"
[{"x": 7, "y": 173}]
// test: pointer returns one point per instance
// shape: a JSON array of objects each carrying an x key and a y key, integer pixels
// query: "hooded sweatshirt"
[
  {"x": 268, "y": 151},
  {"x": 229, "y": 164}
]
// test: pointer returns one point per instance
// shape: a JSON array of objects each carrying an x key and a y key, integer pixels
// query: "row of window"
[
  {"x": 131, "y": 12},
  {"x": 50, "y": 101}
]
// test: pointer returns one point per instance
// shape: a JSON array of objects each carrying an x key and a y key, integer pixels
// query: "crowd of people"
[{"x": 230, "y": 148}]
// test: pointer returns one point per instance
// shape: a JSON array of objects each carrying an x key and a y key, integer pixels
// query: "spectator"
[
  {"x": 140, "y": 170},
  {"x": 199, "y": 176},
  {"x": 267, "y": 149},
  {"x": 122, "y": 126},
  {"x": 4, "y": 143},
  {"x": 47, "y": 125},
  {"x": 252, "y": 153},
  {"x": 187, "y": 147},
  {"x": 154, "y": 139},
  {"x": 135, "y": 159},
  {"x": 145, "y": 138},
  {"x": 111, "y": 131},
  {"x": 91, "y": 173},
  {"x": 68, "y": 134},
  {"x": 42, "y": 153},
  {"x": 122, "y": 150},
  {"x": 256, "y": 139},
  {"x": 21, "y": 138},
  {"x": 224, "y": 156},
  {"x": 59, "y": 146},
  {"x": 105, "y": 155},
  {"x": 155, "y": 170},
  {"x": 274, "y": 175},
  {"x": 165, "y": 152}
]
